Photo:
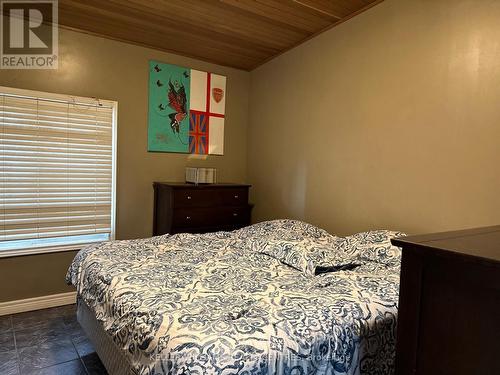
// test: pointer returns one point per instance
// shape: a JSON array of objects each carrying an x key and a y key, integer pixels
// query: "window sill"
[{"x": 44, "y": 250}]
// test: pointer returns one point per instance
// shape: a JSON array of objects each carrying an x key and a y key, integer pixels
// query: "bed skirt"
[{"x": 113, "y": 359}]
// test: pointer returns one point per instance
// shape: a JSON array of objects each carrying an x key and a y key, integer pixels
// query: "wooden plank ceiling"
[{"x": 238, "y": 33}]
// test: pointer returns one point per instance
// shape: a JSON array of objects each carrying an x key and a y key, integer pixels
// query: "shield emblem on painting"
[{"x": 217, "y": 94}]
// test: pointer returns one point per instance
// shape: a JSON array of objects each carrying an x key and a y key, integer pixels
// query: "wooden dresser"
[
  {"x": 449, "y": 303},
  {"x": 180, "y": 207}
]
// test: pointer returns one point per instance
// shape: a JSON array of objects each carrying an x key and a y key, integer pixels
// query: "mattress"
[
  {"x": 115, "y": 360},
  {"x": 215, "y": 304}
]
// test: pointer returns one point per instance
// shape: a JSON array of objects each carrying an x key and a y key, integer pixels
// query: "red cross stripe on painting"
[
  {"x": 207, "y": 105},
  {"x": 199, "y": 125}
]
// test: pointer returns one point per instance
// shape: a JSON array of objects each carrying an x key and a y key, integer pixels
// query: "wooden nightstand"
[{"x": 180, "y": 207}]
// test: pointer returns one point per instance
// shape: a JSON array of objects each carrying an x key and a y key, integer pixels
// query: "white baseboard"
[{"x": 37, "y": 303}]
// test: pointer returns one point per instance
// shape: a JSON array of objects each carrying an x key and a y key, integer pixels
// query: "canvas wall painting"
[{"x": 186, "y": 110}]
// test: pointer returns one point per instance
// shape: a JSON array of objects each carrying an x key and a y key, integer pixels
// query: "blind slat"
[{"x": 82, "y": 208}]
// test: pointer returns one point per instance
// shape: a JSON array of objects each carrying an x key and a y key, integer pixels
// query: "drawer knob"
[
  {"x": 188, "y": 217},
  {"x": 189, "y": 197},
  {"x": 235, "y": 214},
  {"x": 236, "y": 196}
]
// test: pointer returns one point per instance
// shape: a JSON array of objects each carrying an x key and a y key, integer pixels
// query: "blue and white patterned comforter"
[{"x": 212, "y": 304}]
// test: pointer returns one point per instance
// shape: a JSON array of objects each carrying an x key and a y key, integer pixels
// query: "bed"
[{"x": 277, "y": 297}]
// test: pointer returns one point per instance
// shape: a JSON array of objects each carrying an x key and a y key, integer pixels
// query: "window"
[{"x": 57, "y": 171}]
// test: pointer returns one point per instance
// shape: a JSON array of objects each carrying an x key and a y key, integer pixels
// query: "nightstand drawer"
[
  {"x": 234, "y": 197},
  {"x": 196, "y": 198},
  {"x": 210, "y": 216},
  {"x": 210, "y": 198}
]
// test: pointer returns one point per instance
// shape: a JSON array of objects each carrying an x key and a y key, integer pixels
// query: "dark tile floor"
[{"x": 46, "y": 342}]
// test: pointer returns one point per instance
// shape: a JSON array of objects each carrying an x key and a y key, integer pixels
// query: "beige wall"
[
  {"x": 390, "y": 120},
  {"x": 91, "y": 66}
]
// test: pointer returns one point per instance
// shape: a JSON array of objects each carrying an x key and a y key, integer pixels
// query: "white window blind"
[{"x": 56, "y": 170}]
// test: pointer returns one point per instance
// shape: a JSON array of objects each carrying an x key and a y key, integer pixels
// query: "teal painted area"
[{"x": 161, "y": 137}]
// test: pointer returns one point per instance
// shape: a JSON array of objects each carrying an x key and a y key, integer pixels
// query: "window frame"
[{"x": 114, "y": 130}]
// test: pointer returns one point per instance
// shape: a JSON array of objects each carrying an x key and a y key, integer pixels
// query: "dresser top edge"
[
  {"x": 183, "y": 185},
  {"x": 480, "y": 243}
]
